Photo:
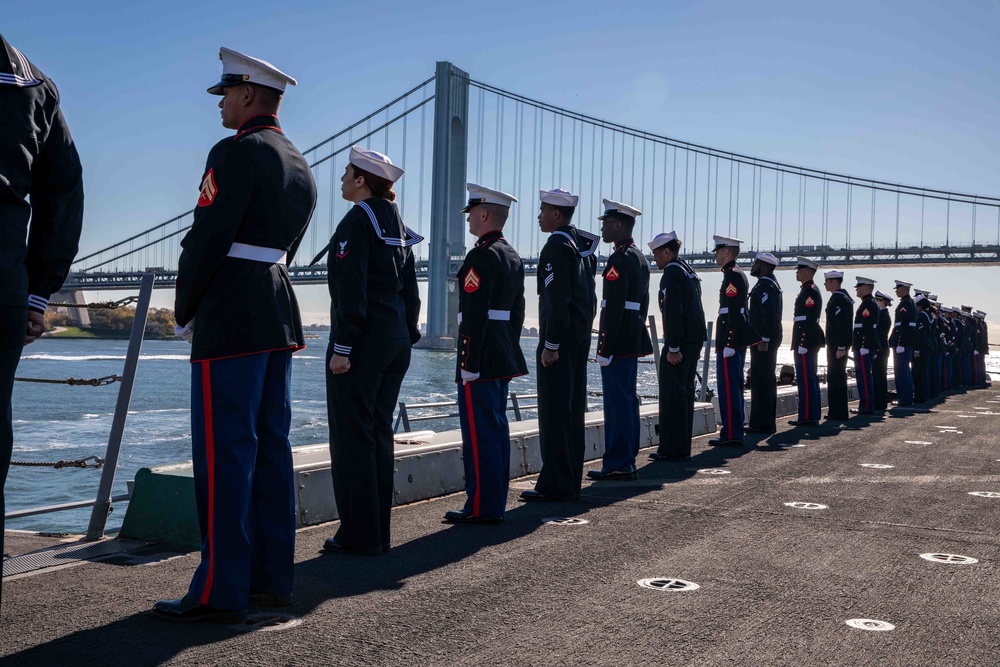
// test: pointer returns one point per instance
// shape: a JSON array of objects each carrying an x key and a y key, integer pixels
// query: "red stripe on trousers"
[
  {"x": 729, "y": 397},
  {"x": 206, "y": 390},
  {"x": 475, "y": 448}
]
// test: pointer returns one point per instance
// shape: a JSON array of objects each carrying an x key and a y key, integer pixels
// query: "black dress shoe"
[
  {"x": 803, "y": 422},
  {"x": 532, "y": 495},
  {"x": 862, "y": 412},
  {"x": 332, "y": 546},
  {"x": 625, "y": 474},
  {"x": 656, "y": 456},
  {"x": 262, "y": 599},
  {"x": 461, "y": 516},
  {"x": 186, "y": 610},
  {"x": 719, "y": 442}
]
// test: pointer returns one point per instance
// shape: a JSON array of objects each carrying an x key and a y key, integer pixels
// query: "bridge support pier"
[
  {"x": 79, "y": 317},
  {"x": 447, "y": 229}
]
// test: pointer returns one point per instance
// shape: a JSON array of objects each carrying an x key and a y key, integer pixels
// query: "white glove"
[
  {"x": 468, "y": 377},
  {"x": 863, "y": 350},
  {"x": 802, "y": 350},
  {"x": 604, "y": 361},
  {"x": 728, "y": 352},
  {"x": 186, "y": 332},
  {"x": 976, "y": 353},
  {"x": 900, "y": 349}
]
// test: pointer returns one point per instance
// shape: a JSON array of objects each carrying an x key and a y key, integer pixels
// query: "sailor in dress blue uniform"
[
  {"x": 622, "y": 338},
  {"x": 235, "y": 302},
  {"x": 904, "y": 329},
  {"x": 765, "y": 309},
  {"x": 880, "y": 359},
  {"x": 374, "y": 309},
  {"x": 839, "y": 334},
  {"x": 491, "y": 313},
  {"x": 683, "y": 338},
  {"x": 733, "y": 334},
  {"x": 866, "y": 344},
  {"x": 565, "y": 315},
  {"x": 807, "y": 339}
]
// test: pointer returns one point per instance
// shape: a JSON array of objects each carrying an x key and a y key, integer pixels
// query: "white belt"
[
  {"x": 725, "y": 311},
  {"x": 502, "y": 315},
  {"x": 897, "y": 324},
  {"x": 629, "y": 305},
  {"x": 800, "y": 318},
  {"x": 858, "y": 326},
  {"x": 258, "y": 253},
  {"x": 913, "y": 324}
]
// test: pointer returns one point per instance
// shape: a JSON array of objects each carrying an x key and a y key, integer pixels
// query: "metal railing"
[
  {"x": 102, "y": 503},
  {"x": 404, "y": 418}
]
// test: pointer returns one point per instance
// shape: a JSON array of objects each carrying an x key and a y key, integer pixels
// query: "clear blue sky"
[{"x": 904, "y": 92}]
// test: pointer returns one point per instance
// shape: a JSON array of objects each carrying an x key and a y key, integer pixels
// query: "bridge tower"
[{"x": 447, "y": 228}]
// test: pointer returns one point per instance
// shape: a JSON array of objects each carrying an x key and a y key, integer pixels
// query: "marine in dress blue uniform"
[
  {"x": 903, "y": 333},
  {"x": 807, "y": 340},
  {"x": 733, "y": 335},
  {"x": 958, "y": 342},
  {"x": 866, "y": 344},
  {"x": 622, "y": 338},
  {"x": 374, "y": 309},
  {"x": 880, "y": 359},
  {"x": 38, "y": 160},
  {"x": 839, "y": 329},
  {"x": 938, "y": 327},
  {"x": 234, "y": 298},
  {"x": 765, "y": 310},
  {"x": 947, "y": 331},
  {"x": 565, "y": 315},
  {"x": 491, "y": 313},
  {"x": 683, "y": 320}
]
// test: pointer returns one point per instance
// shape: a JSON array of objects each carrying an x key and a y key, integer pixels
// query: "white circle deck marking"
[
  {"x": 806, "y": 506},
  {"x": 967, "y": 416},
  {"x": 951, "y": 559},
  {"x": 985, "y": 494},
  {"x": 918, "y": 442},
  {"x": 877, "y": 466},
  {"x": 565, "y": 521},
  {"x": 667, "y": 584},
  {"x": 870, "y": 624},
  {"x": 715, "y": 471},
  {"x": 945, "y": 427}
]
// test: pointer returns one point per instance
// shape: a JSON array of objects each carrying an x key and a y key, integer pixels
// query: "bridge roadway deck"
[{"x": 776, "y": 583}]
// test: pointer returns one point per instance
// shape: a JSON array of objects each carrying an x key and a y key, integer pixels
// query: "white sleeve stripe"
[
  {"x": 551, "y": 346},
  {"x": 35, "y": 301}
]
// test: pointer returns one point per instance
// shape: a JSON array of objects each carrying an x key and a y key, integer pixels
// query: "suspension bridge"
[{"x": 451, "y": 129}]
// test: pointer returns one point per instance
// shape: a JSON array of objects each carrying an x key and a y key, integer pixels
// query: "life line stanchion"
[
  {"x": 102, "y": 504},
  {"x": 704, "y": 363}
]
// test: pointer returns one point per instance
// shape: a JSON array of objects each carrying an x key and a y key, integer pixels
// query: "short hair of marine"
[
  {"x": 498, "y": 213},
  {"x": 268, "y": 98}
]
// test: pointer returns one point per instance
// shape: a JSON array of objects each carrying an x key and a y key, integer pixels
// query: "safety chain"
[
  {"x": 76, "y": 382},
  {"x": 641, "y": 361},
  {"x": 98, "y": 305},
  {"x": 80, "y": 463},
  {"x": 599, "y": 394}
]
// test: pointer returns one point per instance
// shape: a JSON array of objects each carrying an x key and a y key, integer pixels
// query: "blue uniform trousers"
[
  {"x": 621, "y": 413},
  {"x": 904, "y": 376},
  {"x": 13, "y": 322},
  {"x": 967, "y": 368},
  {"x": 979, "y": 368},
  {"x": 482, "y": 410},
  {"x": 946, "y": 379},
  {"x": 810, "y": 404},
  {"x": 937, "y": 359},
  {"x": 730, "y": 379},
  {"x": 866, "y": 381},
  {"x": 240, "y": 417}
]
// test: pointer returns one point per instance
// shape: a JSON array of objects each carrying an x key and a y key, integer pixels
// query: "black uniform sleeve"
[
  {"x": 672, "y": 308},
  {"x": 226, "y": 189},
  {"x": 556, "y": 278},
  {"x": 57, "y": 212},
  {"x": 482, "y": 273},
  {"x": 351, "y": 250},
  {"x": 613, "y": 311}
]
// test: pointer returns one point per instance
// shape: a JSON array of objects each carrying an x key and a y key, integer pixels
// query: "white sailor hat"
[
  {"x": 611, "y": 206},
  {"x": 480, "y": 195},
  {"x": 861, "y": 280},
  {"x": 882, "y": 295},
  {"x": 241, "y": 68},
  {"x": 834, "y": 274},
  {"x": 726, "y": 242},
  {"x": 966, "y": 309},
  {"x": 805, "y": 262},
  {"x": 559, "y": 197},
  {"x": 767, "y": 258},
  {"x": 980, "y": 314},
  {"x": 900, "y": 283},
  {"x": 375, "y": 163},
  {"x": 662, "y": 239}
]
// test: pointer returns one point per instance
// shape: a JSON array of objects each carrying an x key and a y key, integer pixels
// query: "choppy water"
[{"x": 53, "y": 422}]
